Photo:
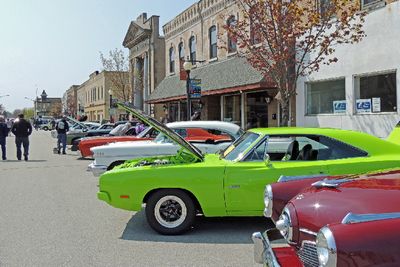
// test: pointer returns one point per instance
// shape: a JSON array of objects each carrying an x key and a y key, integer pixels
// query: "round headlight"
[
  {"x": 284, "y": 225},
  {"x": 326, "y": 248},
  {"x": 268, "y": 201}
]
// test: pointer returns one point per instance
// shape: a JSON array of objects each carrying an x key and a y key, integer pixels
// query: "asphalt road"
[{"x": 50, "y": 216}]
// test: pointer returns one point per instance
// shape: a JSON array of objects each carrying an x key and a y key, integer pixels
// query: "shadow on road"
[
  {"x": 33, "y": 160},
  {"x": 227, "y": 230}
]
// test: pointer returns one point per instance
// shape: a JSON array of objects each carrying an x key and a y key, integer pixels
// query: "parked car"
[
  {"x": 208, "y": 136},
  {"x": 336, "y": 221},
  {"x": 177, "y": 188},
  {"x": 102, "y": 130},
  {"x": 87, "y": 143}
]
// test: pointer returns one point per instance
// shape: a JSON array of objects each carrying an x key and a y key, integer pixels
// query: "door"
[{"x": 245, "y": 180}]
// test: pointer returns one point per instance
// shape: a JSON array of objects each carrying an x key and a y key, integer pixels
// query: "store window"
[
  {"x": 326, "y": 97},
  {"x": 171, "y": 60},
  {"x": 376, "y": 93},
  {"x": 232, "y": 47},
  {"x": 256, "y": 110},
  {"x": 232, "y": 107},
  {"x": 213, "y": 41},
  {"x": 192, "y": 48}
]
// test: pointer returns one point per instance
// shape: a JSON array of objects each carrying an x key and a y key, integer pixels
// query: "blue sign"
[
  {"x": 363, "y": 106},
  {"x": 339, "y": 106},
  {"x": 195, "y": 88}
]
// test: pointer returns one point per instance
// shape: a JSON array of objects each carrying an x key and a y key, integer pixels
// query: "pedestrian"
[
  {"x": 62, "y": 128},
  {"x": 3, "y": 135},
  {"x": 22, "y": 129},
  {"x": 140, "y": 127}
]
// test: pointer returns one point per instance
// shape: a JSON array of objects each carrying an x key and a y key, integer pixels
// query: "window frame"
[
  {"x": 356, "y": 91},
  {"x": 232, "y": 43},
  {"x": 181, "y": 51},
  {"x": 171, "y": 56},
  {"x": 213, "y": 49},
  {"x": 306, "y": 88},
  {"x": 192, "y": 49}
]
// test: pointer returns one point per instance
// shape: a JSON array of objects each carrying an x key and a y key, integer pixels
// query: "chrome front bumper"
[
  {"x": 263, "y": 252},
  {"x": 97, "y": 170},
  {"x": 279, "y": 254}
]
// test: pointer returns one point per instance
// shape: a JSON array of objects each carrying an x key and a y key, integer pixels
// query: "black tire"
[
  {"x": 45, "y": 128},
  {"x": 115, "y": 163},
  {"x": 175, "y": 203}
]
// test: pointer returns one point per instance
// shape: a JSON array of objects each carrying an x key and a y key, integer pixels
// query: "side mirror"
[{"x": 267, "y": 160}]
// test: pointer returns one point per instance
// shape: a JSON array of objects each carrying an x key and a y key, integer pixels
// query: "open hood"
[
  {"x": 70, "y": 119},
  {"x": 163, "y": 129}
]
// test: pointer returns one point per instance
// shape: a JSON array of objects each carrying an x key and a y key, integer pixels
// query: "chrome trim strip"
[
  {"x": 304, "y": 230},
  {"x": 284, "y": 178},
  {"x": 352, "y": 218},
  {"x": 334, "y": 183}
]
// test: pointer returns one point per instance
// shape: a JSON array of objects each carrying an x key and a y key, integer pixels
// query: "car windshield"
[{"x": 237, "y": 150}]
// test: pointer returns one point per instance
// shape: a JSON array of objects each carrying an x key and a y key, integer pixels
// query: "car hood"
[
  {"x": 125, "y": 145},
  {"x": 165, "y": 130},
  {"x": 319, "y": 206}
]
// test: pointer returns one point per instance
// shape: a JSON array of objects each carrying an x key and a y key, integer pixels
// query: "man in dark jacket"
[
  {"x": 62, "y": 128},
  {"x": 22, "y": 129},
  {"x": 3, "y": 135}
]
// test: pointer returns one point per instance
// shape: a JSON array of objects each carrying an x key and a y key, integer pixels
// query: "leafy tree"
[{"x": 285, "y": 40}]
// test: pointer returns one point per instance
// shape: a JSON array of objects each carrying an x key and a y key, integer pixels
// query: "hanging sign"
[{"x": 195, "y": 88}]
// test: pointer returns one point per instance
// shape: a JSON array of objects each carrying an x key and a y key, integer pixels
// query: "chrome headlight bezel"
[
  {"x": 268, "y": 201},
  {"x": 326, "y": 248},
  {"x": 284, "y": 225}
]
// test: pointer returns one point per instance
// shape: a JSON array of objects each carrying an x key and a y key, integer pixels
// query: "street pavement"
[{"x": 50, "y": 216}]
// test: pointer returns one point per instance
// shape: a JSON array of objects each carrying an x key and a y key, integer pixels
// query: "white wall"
[{"x": 379, "y": 51}]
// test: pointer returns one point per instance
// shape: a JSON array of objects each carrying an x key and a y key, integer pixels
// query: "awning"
[{"x": 220, "y": 77}]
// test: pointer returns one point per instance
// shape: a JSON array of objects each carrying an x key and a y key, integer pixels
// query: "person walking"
[
  {"x": 62, "y": 128},
  {"x": 9, "y": 125},
  {"x": 22, "y": 129},
  {"x": 3, "y": 134}
]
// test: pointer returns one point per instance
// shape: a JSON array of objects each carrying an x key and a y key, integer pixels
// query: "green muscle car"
[{"x": 178, "y": 188}]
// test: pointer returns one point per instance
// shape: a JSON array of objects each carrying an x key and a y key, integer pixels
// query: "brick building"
[{"x": 231, "y": 89}]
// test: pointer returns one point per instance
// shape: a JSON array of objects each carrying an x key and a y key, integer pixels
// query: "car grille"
[{"x": 308, "y": 254}]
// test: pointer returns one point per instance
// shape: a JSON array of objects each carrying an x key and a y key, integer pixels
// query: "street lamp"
[
  {"x": 110, "y": 92},
  {"x": 187, "y": 66}
]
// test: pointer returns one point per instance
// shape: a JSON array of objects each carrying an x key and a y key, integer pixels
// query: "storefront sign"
[
  {"x": 376, "y": 104},
  {"x": 339, "y": 106},
  {"x": 363, "y": 106},
  {"x": 195, "y": 88}
]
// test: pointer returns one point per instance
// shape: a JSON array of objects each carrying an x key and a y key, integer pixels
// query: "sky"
[{"x": 53, "y": 44}]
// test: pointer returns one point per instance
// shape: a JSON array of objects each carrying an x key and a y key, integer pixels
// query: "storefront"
[{"x": 229, "y": 93}]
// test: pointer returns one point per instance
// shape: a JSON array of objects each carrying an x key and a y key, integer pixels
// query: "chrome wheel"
[{"x": 170, "y": 211}]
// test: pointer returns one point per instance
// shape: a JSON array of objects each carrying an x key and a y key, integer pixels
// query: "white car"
[{"x": 208, "y": 136}]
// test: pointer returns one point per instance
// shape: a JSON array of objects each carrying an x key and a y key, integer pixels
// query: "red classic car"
[
  {"x": 193, "y": 135},
  {"x": 336, "y": 221}
]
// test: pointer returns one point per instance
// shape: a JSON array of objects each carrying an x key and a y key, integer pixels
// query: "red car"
[
  {"x": 336, "y": 221},
  {"x": 193, "y": 135}
]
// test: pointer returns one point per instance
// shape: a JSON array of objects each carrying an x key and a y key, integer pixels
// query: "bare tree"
[
  {"x": 117, "y": 65},
  {"x": 285, "y": 40}
]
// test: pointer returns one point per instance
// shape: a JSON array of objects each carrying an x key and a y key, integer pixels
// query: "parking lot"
[{"x": 50, "y": 216}]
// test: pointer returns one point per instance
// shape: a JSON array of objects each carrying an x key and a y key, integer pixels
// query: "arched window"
[
  {"x": 181, "y": 51},
  {"x": 232, "y": 47},
  {"x": 171, "y": 60},
  {"x": 212, "y": 34},
  {"x": 192, "y": 48}
]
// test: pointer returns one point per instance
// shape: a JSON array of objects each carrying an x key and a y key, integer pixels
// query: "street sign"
[
  {"x": 363, "y": 105},
  {"x": 339, "y": 106},
  {"x": 195, "y": 88}
]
